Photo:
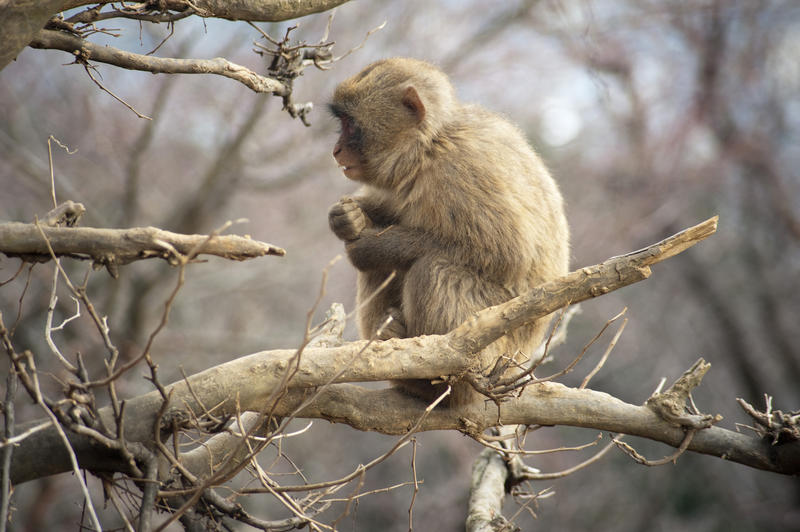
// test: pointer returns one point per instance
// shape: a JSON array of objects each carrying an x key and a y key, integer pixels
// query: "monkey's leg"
[
  {"x": 376, "y": 304},
  {"x": 439, "y": 296},
  {"x": 395, "y": 328}
]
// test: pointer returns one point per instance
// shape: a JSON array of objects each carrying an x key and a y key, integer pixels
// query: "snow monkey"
[{"x": 454, "y": 201}]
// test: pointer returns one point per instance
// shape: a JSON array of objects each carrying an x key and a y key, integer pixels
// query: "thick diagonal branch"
[{"x": 586, "y": 283}]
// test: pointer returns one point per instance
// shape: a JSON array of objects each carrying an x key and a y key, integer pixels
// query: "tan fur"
[{"x": 454, "y": 199}]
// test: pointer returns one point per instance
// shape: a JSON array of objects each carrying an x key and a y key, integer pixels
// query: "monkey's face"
[
  {"x": 385, "y": 113},
  {"x": 349, "y": 148},
  {"x": 372, "y": 127}
]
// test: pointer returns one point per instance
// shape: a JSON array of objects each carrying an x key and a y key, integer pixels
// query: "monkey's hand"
[{"x": 347, "y": 219}]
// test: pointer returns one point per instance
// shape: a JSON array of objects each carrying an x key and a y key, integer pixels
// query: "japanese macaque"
[{"x": 454, "y": 201}]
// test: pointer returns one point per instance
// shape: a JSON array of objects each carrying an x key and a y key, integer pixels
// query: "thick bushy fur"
[{"x": 454, "y": 200}]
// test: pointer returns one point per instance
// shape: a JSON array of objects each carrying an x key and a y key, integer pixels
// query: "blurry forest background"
[{"x": 652, "y": 115}]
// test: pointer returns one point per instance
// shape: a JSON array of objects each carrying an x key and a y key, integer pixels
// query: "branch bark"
[
  {"x": 551, "y": 404},
  {"x": 389, "y": 412},
  {"x": 19, "y": 22}
]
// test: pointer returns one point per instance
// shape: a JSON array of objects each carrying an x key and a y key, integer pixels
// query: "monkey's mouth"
[{"x": 351, "y": 172}]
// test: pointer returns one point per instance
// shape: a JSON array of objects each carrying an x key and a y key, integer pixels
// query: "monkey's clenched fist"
[{"x": 347, "y": 219}]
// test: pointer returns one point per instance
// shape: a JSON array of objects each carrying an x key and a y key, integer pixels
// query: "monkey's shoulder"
[
  {"x": 479, "y": 137},
  {"x": 481, "y": 121}
]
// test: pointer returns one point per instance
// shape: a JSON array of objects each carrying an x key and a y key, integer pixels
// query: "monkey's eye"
[
  {"x": 336, "y": 110},
  {"x": 352, "y": 134},
  {"x": 346, "y": 126}
]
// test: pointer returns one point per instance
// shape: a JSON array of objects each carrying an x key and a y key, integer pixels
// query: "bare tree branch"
[
  {"x": 388, "y": 411},
  {"x": 551, "y": 404},
  {"x": 88, "y": 51},
  {"x": 253, "y": 10},
  {"x": 774, "y": 425},
  {"x": 246, "y": 383},
  {"x": 121, "y": 246},
  {"x": 20, "y": 21}
]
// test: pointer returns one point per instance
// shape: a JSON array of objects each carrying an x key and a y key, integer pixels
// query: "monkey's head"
[{"x": 387, "y": 112}]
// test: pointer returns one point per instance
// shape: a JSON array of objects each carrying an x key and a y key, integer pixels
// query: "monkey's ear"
[{"x": 412, "y": 100}]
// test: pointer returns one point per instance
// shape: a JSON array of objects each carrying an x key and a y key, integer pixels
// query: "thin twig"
[
  {"x": 607, "y": 352},
  {"x": 630, "y": 451},
  {"x": 48, "y": 325},
  {"x": 523, "y": 452},
  {"x": 416, "y": 484},
  {"x": 565, "y": 472},
  {"x": 105, "y": 89},
  {"x": 363, "y": 42},
  {"x": 398, "y": 445}
]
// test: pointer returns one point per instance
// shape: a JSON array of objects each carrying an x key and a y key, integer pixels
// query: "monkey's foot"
[{"x": 396, "y": 328}]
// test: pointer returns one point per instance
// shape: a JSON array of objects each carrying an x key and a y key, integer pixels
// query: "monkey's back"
[
  {"x": 488, "y": 199},
  {"x": 485, "y": 188}
]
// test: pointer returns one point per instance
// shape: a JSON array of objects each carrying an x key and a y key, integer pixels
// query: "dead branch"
[
  {"x": 672, "y": 458},
  {"x": 286, "y": 60},
  {"x": 115, "y": 247},
  {"x": 66, "y": 214},
  {"x": 772, "y": 425},
  {"x": 253, "y": 10},
  {"x": 389, "y": 412},
  {"x": 671, "y": 405},
  {"x": 250, "y": 380},
  {"x": 550, "y": 404}
]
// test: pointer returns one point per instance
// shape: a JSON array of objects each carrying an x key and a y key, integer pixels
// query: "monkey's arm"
[
  {"x": 376, "y": 210},
  {"x": 386, "y": 249}
]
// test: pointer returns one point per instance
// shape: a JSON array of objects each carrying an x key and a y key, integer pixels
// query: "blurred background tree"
[{"x": 652, "y": 116}]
